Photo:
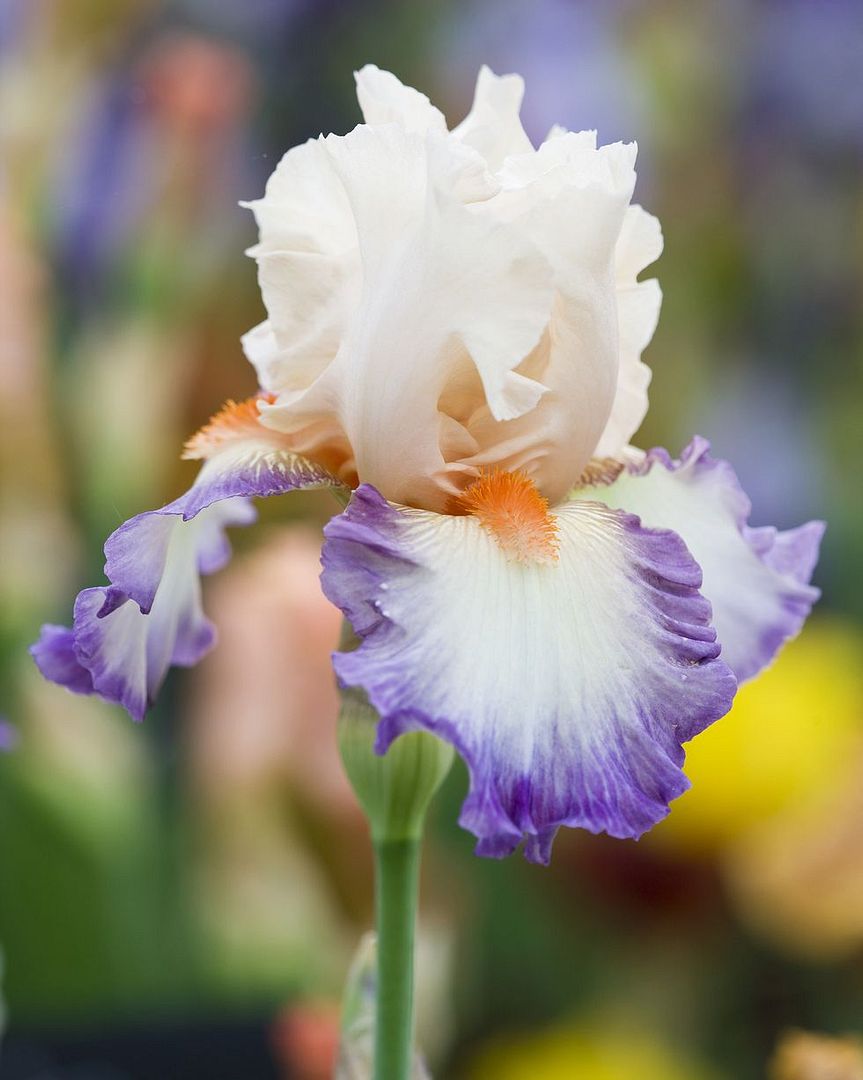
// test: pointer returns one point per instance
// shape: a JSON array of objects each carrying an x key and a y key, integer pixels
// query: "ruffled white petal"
[
  {"x": 384, "y": 99},
  {"x": 441, "y": 286},
  {"x": 638, "y": 304},
  {"x": 573, "y": 209},
  {"x": 442, "y": 302},
  {"x": 756, "y": 579},
  {"x": 493, "y": 127},
  {"x": 567, "y": 686}
]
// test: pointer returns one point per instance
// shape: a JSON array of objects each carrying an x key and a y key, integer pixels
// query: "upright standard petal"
[
  {"x": 572, "y": 200},
  {"x": 638, "y": 304},
  {"x": 126, "y": 635},
  {"x": 384, "y": 99},
  {"x": 566, "y": 656},
  {"x": 493, "y": 126},
  {"x": 444, "y": 302},
  {"x": 443, "y": 289},
  {"x": 756, "y": 579}
]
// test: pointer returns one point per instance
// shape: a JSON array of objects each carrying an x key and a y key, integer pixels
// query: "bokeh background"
[{"x": 182, "y": 898}]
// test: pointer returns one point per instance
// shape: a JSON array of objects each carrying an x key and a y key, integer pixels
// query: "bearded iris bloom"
[{"x": 454, "y": 338}]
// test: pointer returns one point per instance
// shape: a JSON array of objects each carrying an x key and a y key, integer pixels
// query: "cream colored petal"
[
  {"x": 308, "y": 270},
  {"x": 304, "y": 207},
  {"x": 492, "y": 126},
  {"x": 576, "y": 226},
  {"x": 384, "y": 99},
  {"x": 638, "y": 304},
  {"x": 439, "y": 281}
]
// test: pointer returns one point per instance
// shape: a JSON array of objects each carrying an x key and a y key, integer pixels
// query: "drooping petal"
[
  {"x": 756, "y": 579},
  {"x": 125, "y": 636},
  {"x": 54, "y": 654},
  {"x": 242, "y": 457},
  {"x": 567, "y": 684}
]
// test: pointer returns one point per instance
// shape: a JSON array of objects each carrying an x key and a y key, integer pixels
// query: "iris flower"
[{"x": 454, "y": 341}]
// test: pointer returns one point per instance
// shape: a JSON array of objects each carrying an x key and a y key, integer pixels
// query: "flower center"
[{"x": 509, "y": 506}]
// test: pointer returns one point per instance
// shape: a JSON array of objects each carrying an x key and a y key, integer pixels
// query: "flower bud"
[{"x": 395, "y": 788}]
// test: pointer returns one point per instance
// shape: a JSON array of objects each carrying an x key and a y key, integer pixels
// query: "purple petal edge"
[
  {"x": 792, "y": 554},
  {"x": 55, "y": 656},
  {"x": 128, "y": 666},
  {"x": 358, "y": 555}
]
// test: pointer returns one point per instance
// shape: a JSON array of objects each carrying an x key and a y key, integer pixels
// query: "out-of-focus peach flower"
[
  {"x": 306, "y": 1039},
  {"x": 801, "y": 1056},
  {"x": 195, "y": 85},
  {"x": 279, "y": 875},
  {"x": 257, "y": 723}
]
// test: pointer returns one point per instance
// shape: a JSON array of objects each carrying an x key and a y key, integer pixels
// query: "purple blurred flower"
[
  {"x": 570, "y": 52},
  {"x": 806, "y": 61},
  {"x": 8, "y": 735}
]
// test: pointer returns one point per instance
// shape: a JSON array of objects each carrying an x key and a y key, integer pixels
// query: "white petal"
[
  {"x": 757, "y": 580},
  {"x": 573, "y": 212},
  {"x": 308, "y": 269},
  {"x": 384, "y": 99},
  {"x": 567, "y": 686},
  {"x": 638, "y": 304},
  {"x": 439, "y": 283},
  {"x": 492, "y": 126}
]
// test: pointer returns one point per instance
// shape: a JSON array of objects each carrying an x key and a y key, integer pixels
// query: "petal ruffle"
[
  {"x": 567, "y": 688},
  {"x": 55, "y": 656},
  {"x": 384, "y": 99},
  {"x": 638, "y": 304},
  {"x": 444, "y": 289},
  {"x": 125, "y": 636},
  {"x": 442, "y": 302},
  {"x": 493, "y": 125},
  {"x": 756, "y": 579}
]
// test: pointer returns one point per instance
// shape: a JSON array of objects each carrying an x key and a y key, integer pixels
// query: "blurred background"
[{"x": 183, "y": 898}]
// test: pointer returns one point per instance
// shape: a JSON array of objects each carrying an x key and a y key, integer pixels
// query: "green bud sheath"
[{"x": 395, "y": 790}]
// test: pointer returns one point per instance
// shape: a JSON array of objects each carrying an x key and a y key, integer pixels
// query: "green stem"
[{"x": 396, "y": 879}]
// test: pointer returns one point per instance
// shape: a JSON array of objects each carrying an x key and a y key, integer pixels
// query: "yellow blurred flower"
[
  {"x": 788, "y": 733},
  {"x": 585, "y": 1053},
  {"x": 798, "y": 880}
]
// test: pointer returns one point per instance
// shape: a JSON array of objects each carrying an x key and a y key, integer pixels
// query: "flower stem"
[{"x": 396, "y": 886}]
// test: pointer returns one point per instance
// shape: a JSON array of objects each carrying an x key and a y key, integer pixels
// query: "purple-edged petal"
[
  {"x": 568, "y": 687},
  {"x": 756, "y": 579},
  {"x": 160, "y": 544},
  {"x": 55, "y": 656},
  {"x": 125, "y": 636}
]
